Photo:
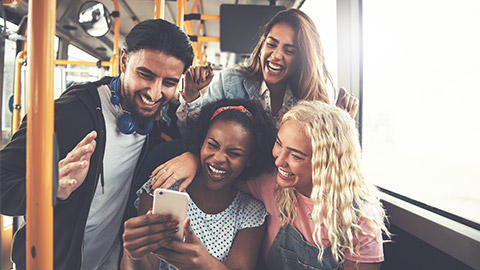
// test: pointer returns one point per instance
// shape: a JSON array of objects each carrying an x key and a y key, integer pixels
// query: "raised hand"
[
  {"x": 196, "y": 78},
  {"x": 73, "y": 169},
  {"x": 347, "y": 102},
  {"x": 181, "y": 168}
]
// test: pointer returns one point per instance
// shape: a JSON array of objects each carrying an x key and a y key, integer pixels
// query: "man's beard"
[{"x": 140, "y": 119}]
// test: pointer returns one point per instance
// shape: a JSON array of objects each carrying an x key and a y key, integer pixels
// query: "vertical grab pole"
[
  {"x": 159, "y": 11},
  {"x": 180, "y": 13},
  {"x": 41, "y": 28},
  {"x": 17, "y": 92},
  {"x": 114, "y": 60}
]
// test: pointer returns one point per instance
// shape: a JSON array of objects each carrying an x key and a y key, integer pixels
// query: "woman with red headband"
[{"x": 225, "y": 226}]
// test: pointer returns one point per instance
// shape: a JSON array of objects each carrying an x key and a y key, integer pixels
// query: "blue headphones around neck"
[{"x": 125, "y": 123}]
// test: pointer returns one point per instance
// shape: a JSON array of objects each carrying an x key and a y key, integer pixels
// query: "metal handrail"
[{"x": 17, "y": 92}]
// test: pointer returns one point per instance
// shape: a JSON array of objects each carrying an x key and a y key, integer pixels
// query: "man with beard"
[{"x": 104, "y": 129}]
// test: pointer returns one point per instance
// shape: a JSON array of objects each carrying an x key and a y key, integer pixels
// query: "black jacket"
[{"x": 77, "y": 112}]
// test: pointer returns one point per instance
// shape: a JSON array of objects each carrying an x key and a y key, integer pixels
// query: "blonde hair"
[
  {"x": 340, "y": 193},
  {"x": 311, "y": 79}
]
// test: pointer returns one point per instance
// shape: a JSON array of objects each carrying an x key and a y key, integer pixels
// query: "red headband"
[{"x": 238, "y": 108}]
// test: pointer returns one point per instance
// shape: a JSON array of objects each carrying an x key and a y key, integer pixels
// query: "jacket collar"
[{"x": 252, "y": 87}]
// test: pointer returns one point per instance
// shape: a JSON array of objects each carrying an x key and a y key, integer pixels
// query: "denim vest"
[{"x": 290, "y": 251}]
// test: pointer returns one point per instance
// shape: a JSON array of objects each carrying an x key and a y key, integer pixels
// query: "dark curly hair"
[{"x": 260, "y": 125}]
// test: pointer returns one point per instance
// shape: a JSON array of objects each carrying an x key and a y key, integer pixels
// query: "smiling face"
[
  {"x": 224, "y": 154},
  {"x": 149, "y": 81},
  {"x": 293, "y": 157},
  {"x": 279, "y": 54}
]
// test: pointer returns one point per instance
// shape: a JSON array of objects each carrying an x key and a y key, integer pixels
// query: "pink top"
[{"x": 263, "y": 189}]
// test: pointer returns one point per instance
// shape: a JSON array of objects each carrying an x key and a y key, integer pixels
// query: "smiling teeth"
[
  {"x": 147, "y": 101},
  {"x": 216, "y": 170},
  {"x": 285, "y": 174},
  {"x": 274, "y": 67}
]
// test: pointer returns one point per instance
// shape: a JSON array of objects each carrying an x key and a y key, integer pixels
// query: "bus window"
[
  {"x": 420, "y": 113},
  {"x": 82, "y": 73},
  {"x": 323, "y": 14},
  {"x": 8, "y": 83}
]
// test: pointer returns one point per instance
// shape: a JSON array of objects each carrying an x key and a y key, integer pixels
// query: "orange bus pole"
[
  {"x": 159, "y": 11},
  {"x": 61, "y": 62},
  {"x": 114, "y": 60},
  {"x": 180, "y": 12},
  {"x": 208, "y": 39},
  {"x": 17, "y": 92},
  {"x": 198, "y": 41},
  {"x": 39, "y": 214},
  {"x": 189, "y": 24}
]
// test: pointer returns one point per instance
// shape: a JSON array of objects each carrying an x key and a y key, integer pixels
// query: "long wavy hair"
[
  {"x": 340, "y": 194},
  {"x": 311, "y": 79}
]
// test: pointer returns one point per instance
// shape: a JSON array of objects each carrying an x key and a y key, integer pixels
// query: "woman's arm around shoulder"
[{"x": 245, "y": 248}]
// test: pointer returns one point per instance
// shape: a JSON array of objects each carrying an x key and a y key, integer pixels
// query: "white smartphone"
[{"x": 172, "y": 202}]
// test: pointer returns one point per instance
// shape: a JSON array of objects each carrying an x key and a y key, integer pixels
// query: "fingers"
[
  {"x": 81, "y": 153},
  {"x": 88, "y": 142},
  {"x": 201, "y": 74},
  {"x": 183, "y": 186},
  {"x": 67, "y": 168},
  {"x": 169, "y": 181},
  {"x": 193, "y": 74},
  {"x": 188, "y": 231},
  {"x": 148, "y": 222},
  {"x": 342, "y": 94},
  {"x": 148, "y": 233},
  {"x": 138, "y": 251},
  {"x": 354, "y": 108},
  {"x": 66, "y": 186},
  {"x": 159, "y": 168},
  {"x": 181, "y": 168},
  {"x": 73, "y": 169},
  {"x": 171, "y": 256},
  {"x": 347, "y": 102},
  {"x": 88, "y": 138},
  {"x": 83, "y": 150},
  {"x": 351, "y": 105},
  {"x": 163, "y": 179}
]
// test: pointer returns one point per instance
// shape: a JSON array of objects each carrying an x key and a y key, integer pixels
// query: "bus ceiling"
[{"x": 100, "y": 42}]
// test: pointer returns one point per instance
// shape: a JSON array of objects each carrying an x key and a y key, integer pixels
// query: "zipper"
[{"x": 98, "y": 173}]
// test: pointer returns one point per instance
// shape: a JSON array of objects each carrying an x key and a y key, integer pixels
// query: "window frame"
[{"x": 438, "y": 228}]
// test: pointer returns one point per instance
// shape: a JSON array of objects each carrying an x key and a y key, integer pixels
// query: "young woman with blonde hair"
[{"x": 321, "y": 204}]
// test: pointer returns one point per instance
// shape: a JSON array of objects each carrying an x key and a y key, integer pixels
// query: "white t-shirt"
[{"x": 101, "y": 244}]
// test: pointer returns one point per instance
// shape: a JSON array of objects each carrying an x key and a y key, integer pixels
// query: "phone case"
[{"x": 172, "y": 202}]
